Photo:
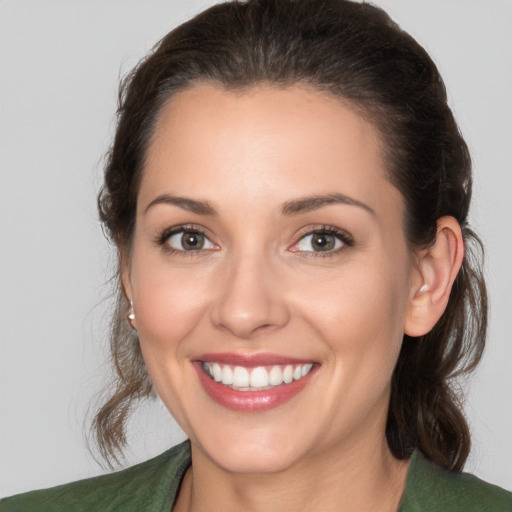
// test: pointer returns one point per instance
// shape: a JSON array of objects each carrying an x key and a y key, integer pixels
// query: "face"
[{"x": 270, "y": 275}]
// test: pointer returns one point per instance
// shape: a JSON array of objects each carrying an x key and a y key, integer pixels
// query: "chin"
[
  {"x": 258, "y": 453},
  {"x": 253, "y": 460}
]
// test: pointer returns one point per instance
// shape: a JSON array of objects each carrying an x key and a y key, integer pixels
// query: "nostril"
[
  {"x": 250, "y": 301},
  {"x": 246, "y": 326}
]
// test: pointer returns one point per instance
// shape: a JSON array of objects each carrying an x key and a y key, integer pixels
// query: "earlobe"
[
  {"x": 127, "y": 292},
  {"x": 131, "y": 316},
  {"x": 437, "y": 268}
]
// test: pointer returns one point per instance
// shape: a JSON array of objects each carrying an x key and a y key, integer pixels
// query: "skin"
[{"x": 259, "y": 286}]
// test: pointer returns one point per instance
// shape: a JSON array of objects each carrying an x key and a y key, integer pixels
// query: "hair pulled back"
[{"x": 357, "y": 53}]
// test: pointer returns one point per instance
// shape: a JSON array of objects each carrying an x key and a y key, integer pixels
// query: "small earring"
[
  {"x": 131, "y": 313},
  {"x": 424, "y": 288}
]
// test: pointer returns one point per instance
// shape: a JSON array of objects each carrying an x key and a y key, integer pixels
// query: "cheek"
[
  {"x": 361, "y": 322},
  {"x": 360, "y": 313},
  {"x": 168, "y": 307},
  {"x": 168, "y": 303}
]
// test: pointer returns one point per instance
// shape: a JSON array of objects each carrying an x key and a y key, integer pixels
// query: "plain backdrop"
[{"x": 60, "y": 61}]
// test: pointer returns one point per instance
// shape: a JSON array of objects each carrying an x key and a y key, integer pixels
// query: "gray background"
[{"x": 60, "y": 61}]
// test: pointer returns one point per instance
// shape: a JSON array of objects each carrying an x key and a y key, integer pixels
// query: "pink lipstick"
[{"x": 253, "y": 383}]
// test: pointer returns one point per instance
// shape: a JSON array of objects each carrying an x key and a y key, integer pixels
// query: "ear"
[{"x": 437, "y": 267}]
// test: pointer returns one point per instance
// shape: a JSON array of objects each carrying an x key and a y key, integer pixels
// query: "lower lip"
[{"x": 251, "y": 401}]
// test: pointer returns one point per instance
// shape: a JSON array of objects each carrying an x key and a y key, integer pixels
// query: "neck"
[{"x": 364, "y": 478}]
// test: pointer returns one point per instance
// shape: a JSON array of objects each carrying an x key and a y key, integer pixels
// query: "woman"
[{"x": 288, "y": 192}]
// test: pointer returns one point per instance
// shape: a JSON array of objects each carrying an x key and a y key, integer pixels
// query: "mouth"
[
  {"x": 254, "y": 383},
  {"x": 259, "y": 378}
]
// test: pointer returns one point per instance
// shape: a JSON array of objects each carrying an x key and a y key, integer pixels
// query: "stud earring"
[
  {"x": 424, "y": 288},
  {"x": 131, "y": 314}
]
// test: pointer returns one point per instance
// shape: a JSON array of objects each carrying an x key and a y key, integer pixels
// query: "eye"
[
  {"x": 188, "y": 240},
  {"x": 323, "y": 240}
]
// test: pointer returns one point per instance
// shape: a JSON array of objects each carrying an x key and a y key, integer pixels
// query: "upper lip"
[{"x": 251, "y": 360}]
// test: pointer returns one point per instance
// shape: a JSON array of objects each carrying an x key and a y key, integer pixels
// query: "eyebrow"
[
  {"x": 307, "y": 204},
  {"x": 293, "y": 207},
  {"x": 191, "y": 205}
]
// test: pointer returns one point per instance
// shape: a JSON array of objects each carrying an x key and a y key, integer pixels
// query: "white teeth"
[
  {"x": 306, "y": 368},
  {"x": 240, "y": 377},
  {"x": 217, "y": 372},
  {"x": 276, "y": 376},
  {"x": 288, "y": 374},
  {"x": 227, "y": 375},
  {"x": 258, "y": 378}
]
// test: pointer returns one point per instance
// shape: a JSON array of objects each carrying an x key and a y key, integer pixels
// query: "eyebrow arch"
[
  {"x": 307, "y": 204},
  {"x": 191, "y": 205}
]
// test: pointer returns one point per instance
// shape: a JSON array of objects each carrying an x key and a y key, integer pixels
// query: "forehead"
[{"x": 262, "y": 142}]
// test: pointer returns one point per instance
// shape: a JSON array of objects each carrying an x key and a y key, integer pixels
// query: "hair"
[{"x": 355, "y": 52}]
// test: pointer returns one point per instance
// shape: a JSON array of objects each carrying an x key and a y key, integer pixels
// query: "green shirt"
[{"x": 153, "y": 485}]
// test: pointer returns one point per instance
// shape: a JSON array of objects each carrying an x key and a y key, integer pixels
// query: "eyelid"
[
  {"x": 162, "y": 238},
  {"x": 341, "y": 234},
  {"x": 344, "y": 236}
]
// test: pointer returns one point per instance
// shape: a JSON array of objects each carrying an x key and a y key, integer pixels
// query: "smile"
[
  {"x": 260, "y": 378},
  {"x": 251, "y": 384}
]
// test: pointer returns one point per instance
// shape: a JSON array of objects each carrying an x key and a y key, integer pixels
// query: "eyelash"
[
  {"x": 345, "y": 238},
  {"x": 162, "y": 238}
]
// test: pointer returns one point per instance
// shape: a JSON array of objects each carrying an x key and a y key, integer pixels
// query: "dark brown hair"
[{"x": 357, "y": 53}]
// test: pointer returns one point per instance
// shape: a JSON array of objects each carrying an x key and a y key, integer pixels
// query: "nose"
[{"x": 251, "y": 300}]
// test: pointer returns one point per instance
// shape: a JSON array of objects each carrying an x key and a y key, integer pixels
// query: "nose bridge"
[{"x": 250, "y": 301}]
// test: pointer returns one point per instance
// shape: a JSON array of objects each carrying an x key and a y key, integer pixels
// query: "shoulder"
[
  {"x": 430, "y": 487},
  {"x": 151, "y": 485}
]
